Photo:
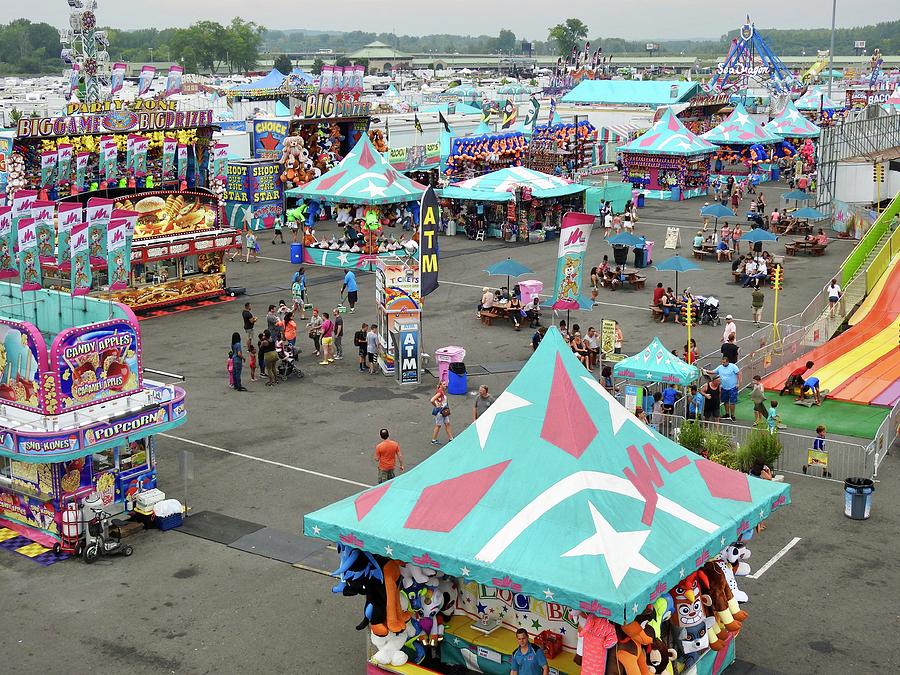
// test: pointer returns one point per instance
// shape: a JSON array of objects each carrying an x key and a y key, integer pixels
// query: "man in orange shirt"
[{"x": 386, "y": 455}]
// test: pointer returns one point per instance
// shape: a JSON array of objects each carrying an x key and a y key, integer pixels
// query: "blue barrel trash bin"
[
  {"x": 676, "y": 193},
  {"x": 640, "y": 200},
  {"x": 297, "y": 253},
  {"x": 776, "y": 173},
  {"x": 457, "y": 379},
  {"x": 858, "y": 497},
  {"x": 639, "y": 257}
]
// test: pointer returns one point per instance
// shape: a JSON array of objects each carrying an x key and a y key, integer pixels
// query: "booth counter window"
[{"x": 133, "y": 455}]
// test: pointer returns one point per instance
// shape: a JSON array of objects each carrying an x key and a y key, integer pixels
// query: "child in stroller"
[
  {"x": 287, "y": 361},
  {"x": 709, "y": 312}
]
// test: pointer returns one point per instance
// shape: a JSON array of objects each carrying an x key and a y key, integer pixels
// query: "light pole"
[{"x": 831, "y": 51}]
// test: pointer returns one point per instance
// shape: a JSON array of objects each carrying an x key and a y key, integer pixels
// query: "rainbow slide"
[{"x": 862, "y": 364}]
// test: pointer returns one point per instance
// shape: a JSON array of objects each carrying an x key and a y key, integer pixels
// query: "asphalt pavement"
[{"x": 184, "y": 604}]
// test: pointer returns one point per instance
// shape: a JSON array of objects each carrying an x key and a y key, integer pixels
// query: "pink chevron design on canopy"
[
  {"x": 723, "y": 482},
  {"x": 368, "y": 499},
  {"x": 365, "y": 157},
  {"x": 567, "y": 424}
]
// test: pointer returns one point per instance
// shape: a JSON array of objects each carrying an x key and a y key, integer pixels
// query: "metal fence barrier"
[{"x": 845, "y": 459}]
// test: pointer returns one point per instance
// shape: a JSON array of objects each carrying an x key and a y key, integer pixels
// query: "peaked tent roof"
[
  {"x": 632, "y": 92},
  {"x": 271, "y": 81},
  {"x": 814, "y": 99},
  {"x": 615, "y": 515},
  {"x": 303, "y": 75},
  {"x": 791, "y": 124},
  {"x": 740, "y": 129},
  {"x": 655, "y": 363},
  {"x": 668, "y": 137},
  {"x": 496, "y": 186},
  {"x": 364, "y": 176}
]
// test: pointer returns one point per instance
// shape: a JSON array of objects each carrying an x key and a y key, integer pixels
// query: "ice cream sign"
[{"x": 96, "y": 363}]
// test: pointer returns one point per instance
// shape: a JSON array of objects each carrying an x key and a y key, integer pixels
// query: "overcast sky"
[{"x": 530, "y": 18}]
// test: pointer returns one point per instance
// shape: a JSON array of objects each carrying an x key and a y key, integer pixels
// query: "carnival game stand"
[{"x": 76, "y": 414}]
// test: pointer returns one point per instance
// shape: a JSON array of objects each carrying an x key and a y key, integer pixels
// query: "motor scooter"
[{"x": 99, "y": 537}]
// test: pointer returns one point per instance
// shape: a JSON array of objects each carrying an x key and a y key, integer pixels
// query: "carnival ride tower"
[
  {"x": 86, "y": 48},
  {"x": 751, "y": 60}
]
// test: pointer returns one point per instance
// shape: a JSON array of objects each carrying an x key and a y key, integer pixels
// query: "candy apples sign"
[{"x": 96, "y": 363}]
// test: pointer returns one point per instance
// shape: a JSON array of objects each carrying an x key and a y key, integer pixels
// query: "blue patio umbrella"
[
  {"x": 626, "y": 239},
  {"x": 508, "y": 268},
  {"x": 798, "y": 196},
  {"x": 808, "y": 213},
  {"x": 717, "y": 211},
  {"x": 677, "y": 264},
  {"x": 758, "y": 234}
]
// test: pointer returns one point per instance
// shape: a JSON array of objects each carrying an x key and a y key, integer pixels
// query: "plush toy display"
[
  {"x": 716, "y": 586},
  {"x": 733, "y": 558},
  {"x": 390, "y": 647},
  {"x": 377, "y": 138},
  {"x": 595, "y": 636},
  {"x": 689, "y": 615},
  {"x": 630, "y": 652},
  {"x": 295, "y": 162}
]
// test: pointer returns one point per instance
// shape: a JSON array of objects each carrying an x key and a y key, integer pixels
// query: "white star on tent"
[
  {"x": 248, "y": 217},
  {"x": 794, "y": 115},
  {"x": 464, "y": 571},
  {"x": 681, "y": 572},
  {"x": 505, "y": 402},
  {"x": 634, "y": 608},
  {"x": 723, "y": 541},
  {"x": 456, "y": 641},
  {"x": 762, "y": 514},
  {"x": 548, "y": 594},
  {"x": 388, "y": 550},
  {"x": 343, "y": 257},
  {"x": 618, "y": 415},
  {"x": 741, "y": 119},
  {"x": 620, "y": 550},
  {"x": 316, "y": 529},
  {"x": 373, "y": 190}
]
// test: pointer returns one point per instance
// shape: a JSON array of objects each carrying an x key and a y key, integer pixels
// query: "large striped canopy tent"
[
  {"x": 557, "y": 492},
  {"x": 816, "y": 99},
  {"x": 740, "y": 129},
  {"x": 669, "y": 137},
  {"x": 497, "y": 186},
  {"x": 364, "y": 176},
  {"x": 792, "y": 124}
]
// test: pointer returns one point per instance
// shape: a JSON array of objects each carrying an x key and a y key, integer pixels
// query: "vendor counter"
[{"x": 465, "y": 646}]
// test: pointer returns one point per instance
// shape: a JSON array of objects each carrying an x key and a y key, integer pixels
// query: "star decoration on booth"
[
  {"x": 480, "y": 608},
  {"x": 374, "y": 190},
  {"x": 620, "y": 550},
  {"x": 536, "y": 624},
  {"x": 618, "y": 414},
  {"x": 722, "y": 540},
  {"x": 634, "y": 608},
  {"x": 562, "y": 630},
  {"x": 269, "y": 142},
  {"x": 681, "y": 573},
  {"x": 504, "y": 403},
  {"x": 794, "y": 115},
  {"x": 464, "y": 571},
  {"x": 343, "y": 257},
  {"x": 741, "y": 119},
  {"x": 388, "y": 551},
  {"x": 316, "y": 529},
  {"x": 548, "y": 594}
]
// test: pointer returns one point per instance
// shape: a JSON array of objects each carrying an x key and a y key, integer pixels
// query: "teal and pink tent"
[
  {"x": 668, "y": 136},
  {"x": 816, "y": 99},
  {"x": 740, "y": 129},
  {"x": 655, "y": 363},
  {"x": 557, "y": 492},
  {"x": 364, "y": 176},
  {"x": 792, "y": 124}
]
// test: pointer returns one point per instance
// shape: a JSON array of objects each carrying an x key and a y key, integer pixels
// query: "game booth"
[
  {"x": 472, "y": 156},
  {"x": 791, "y": 124},
  {"x": 745, "y": 149},
  {"x": 817, "y": 107},
  {"x": 668, "y": 161},
  {"x": 635, "y": 567},
  {"x": 262, "y": 96},
  {"x": 562, "y": 149},
  {"x": 368, "y": 196},
  {"x": 654, "y": 364},
  {"x": 519, "y": 204},
  {"x": 78, "y": 417}
]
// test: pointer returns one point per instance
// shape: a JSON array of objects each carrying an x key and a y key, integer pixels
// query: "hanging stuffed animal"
[
  {"x": 659, "y": 654},
  {"x": 722, "y": 598},
  {"x": 594, "y": 639},
  {"x": 734, "y": 556},
  {"x": 690, "y": 618},
  {"x": 390, "y": 647},
  {"x": 632, "y": 641}
]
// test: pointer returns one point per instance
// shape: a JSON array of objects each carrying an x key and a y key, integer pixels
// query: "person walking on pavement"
[
  {"x": 372, "y": 347},
  {"x": 359, "y": 339},
  {"x": 237, "y": 361},
  {"x": 327, "y": 340},
  {"x": 351, "y": 288},
  {"x": 272, "y": 320},
  {"x": 730, "y": 328},
  {"x": 387, "y": 454},
  {"x": 730, "y": 379},
  {"x": 483, "y": 401},
  {"x": 249, "y": 320},
  {"x": 756, "y": 303},
  {"x": 440, "y": 409},
  {"x": 314, "y": 330},
  {"x": 338, "y": 335}
]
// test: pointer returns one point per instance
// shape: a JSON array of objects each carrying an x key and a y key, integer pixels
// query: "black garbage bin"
[
  {"x": 858, "y": 497},
  {"x": 457, "y": 379},
  {"x": 620, "y": 254},
  {"x": 639, "y": 257}
]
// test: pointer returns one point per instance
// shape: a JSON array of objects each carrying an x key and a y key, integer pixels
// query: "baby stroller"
[
  {"x": 287, "y": 365},
  {"x": 709, "y": 314}
]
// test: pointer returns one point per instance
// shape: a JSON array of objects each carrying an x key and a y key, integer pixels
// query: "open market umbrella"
[
  {"x": 757, "y": 235},
  {"x": 809, "y": 213},
  {"x": 677, "y": 264},
  {"x": 508, "y": 268},
  {"x": 798, "y": 196},
  {"x": 717, "y": 211},
  {"x": 626, "y": 239}
]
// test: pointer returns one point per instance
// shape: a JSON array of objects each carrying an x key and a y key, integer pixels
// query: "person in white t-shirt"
[
  {"x": 730, "y": 328},
  {"x": 834, "y": 293},
  {"x": 607, "y": 223}
]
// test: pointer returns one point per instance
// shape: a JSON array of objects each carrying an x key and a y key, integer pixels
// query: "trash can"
[
  {"x": 620, "y": 255},
  {"x": 676, "y": 193},
  {"x": 530, "y": 288},
  {"x": 444, "y": 357},
  {"x": 858, "y": 497},
  {"x": 640, "y": 200},
  {"x": 458, "y": 382},
  {"x": 648, "y": 252},
  {"x": 639, "y": 257},
  {"x": 297, "y": 253},
  {"x": 776, "y": 173}
]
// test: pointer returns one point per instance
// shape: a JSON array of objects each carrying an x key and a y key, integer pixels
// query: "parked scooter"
[{"x": 99, "y": 539}]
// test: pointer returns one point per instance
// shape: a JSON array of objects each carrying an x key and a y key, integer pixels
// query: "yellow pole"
[
  {"x": 689, "y": 321},
  {"x": 776, "y": 284}
]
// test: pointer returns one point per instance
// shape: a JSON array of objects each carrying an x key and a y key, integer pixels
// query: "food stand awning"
[
  {"x": 655, "y": 363},
  {"x": 557, "y": 492},
  {"x": 740, "y": 129},
  {"x": 364, "y": 176},
  {"x": 668, "y": 136},
  {"x": 497, "y": 186},
  {"x": 792, "y": 124}
]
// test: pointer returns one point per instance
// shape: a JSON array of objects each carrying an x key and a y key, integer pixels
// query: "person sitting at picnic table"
[
  {"x": 658, "y": 292},
  {"x": 821, "y": 238},
  {"x": 790, "y": 224},
  {"x": 487, "y": 300},
  {"x": 762, "y": 272},
  {"x": 750, "y": 269},
  {"x": 698, "y": 241},
  {"x": 614, "y": 279},
  {"x": 739, "y": 263},
  {"x": 515, "y": 310},
  {"x": 668, "y": 307},
  {"x": 580, "y": 349},
  {"x": 534, "y": 313},
  {"x": 722, "y": 249},
  {"x": 603, "y": 267},
  {"x": 504, "y": 293}
]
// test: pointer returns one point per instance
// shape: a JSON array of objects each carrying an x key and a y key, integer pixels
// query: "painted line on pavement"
[
  {"x": 267, "y": 461},
  {"x": 775, "y": 558}
]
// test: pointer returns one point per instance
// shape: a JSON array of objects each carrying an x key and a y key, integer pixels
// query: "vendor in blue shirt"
[
  {"x": 527, "y": 660},
  {"x": 730, "y": 376},
  {"x": 669, "y": 396},
  {"x": 350, "y": 287}
]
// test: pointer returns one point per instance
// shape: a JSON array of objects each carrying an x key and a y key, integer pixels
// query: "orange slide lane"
[
  {"x": 866, "y": 385},
  {"x": 883, "y": 313}
]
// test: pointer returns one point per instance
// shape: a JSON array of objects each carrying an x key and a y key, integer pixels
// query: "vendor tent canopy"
[
  {"x": 633, "y": 92},
  {"x": 816, "y": 99},
  {"x": 740, "y": 129},
  {"x": 668, "y": 137},
  {"x": 513, "y": 90},
  {"x": 463, "y": 91},
  {"x": 791, "y": 124},
  {"x": 497, "y": 186},
  {"x": 458, "y": 109},
  {"x": 392, "y": 91},
  {"x": 364, "y": 176},
  {"x": 655, "y": 363},
  {"x": 281, "y": 110},
  {"x": 559, "y": 493},
  {"x": 302, "y": 75},
  {"x": 272, "y": 80}
]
